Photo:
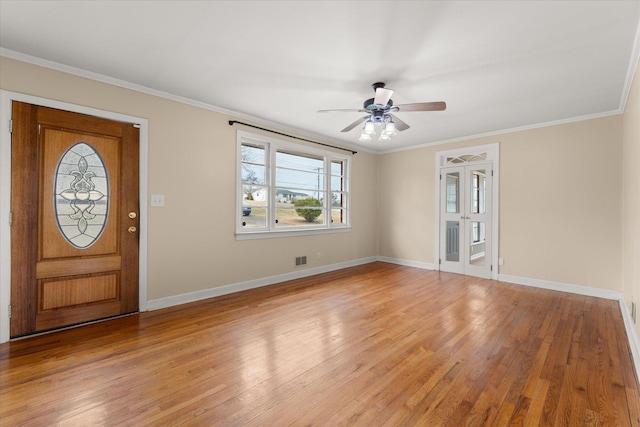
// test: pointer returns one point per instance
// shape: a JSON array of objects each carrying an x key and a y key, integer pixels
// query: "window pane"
[
  {"x": 337, "y": 168},
  {"x": 338, "y": 216},
  {"x": 253, "y": 154},
  {"x": 288, "y": 216},
  {"x": 299, "y": 162},
  {"x": 300, "y": 173},
  {"x": 254, "y": 193},
  {"x": 478, "y": 184},
  {"x": 253, "y": 169},
  {"x": 299, "y": 180},
  {"x": 254, "y": 211},
  {"x": 253, "y": 174},
  {"x": 453, "y": 203},
  {"x": 477, "y": 248},
  {"x": 289, "y": 195},
  {"x": 337, "y": 200},
  {"x": 336, "y": 183},
  {"x": 310, "y": 203}
]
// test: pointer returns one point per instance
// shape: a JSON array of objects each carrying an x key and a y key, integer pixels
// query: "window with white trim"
[{"x": 284, "y": 188}]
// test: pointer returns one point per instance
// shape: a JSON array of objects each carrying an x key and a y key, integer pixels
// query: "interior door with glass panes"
[{"x": 465, "y": 220}]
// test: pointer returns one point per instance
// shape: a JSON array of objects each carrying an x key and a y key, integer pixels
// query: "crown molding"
[
  {"x": 78, "y": 72},
  {"x": 506, "y": 131}
]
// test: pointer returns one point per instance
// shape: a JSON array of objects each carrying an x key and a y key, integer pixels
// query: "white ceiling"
[{"x": 498, "y": 64}]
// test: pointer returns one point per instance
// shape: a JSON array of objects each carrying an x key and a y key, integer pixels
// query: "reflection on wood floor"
[{"x": 378, "y": 344}]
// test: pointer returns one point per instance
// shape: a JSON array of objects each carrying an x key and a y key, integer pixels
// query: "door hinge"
[
  {"x": 491, "y": 268},
  {"x": 9, "y": 311},
  {"x": 491, "y": 173},
  {"x": 10, "y": 126},
  {"x": 439, "y": 260},
  {"x": 10, "y": 218},
  {"x": 440, "y": 177}
]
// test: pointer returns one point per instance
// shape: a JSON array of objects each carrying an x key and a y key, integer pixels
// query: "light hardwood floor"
[{"x": 374, "y": 345}]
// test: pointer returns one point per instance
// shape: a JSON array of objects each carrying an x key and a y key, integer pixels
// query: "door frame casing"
[
  {"x": 493, "y": 156},
  {"x": 6, "y": 97}
]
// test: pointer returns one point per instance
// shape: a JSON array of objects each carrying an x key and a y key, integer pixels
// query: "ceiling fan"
[{"x": 379, "y": 111}]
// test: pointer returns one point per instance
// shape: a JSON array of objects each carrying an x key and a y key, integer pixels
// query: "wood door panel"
[
  {"x": 57, "y": 281},
  {"x": 56, "y": 143},
  {"x": 74, "y": 315},
  {"x": 77, "y": 291},
  {"x": 57, "y": 268}
]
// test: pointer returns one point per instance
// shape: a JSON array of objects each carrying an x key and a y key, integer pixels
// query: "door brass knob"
[
  {"x": 132, "y": 229},
  {"x": 132, "y": 215}
]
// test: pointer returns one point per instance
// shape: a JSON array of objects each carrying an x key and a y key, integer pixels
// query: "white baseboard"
[
  {"x": 562, "y": 287},
  {"x": 631, "y": 336},
  {"x": 170, "y": 301},
  {"x": 407, "y": 263}
]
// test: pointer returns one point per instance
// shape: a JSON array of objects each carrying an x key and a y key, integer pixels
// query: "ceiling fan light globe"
[
  {"x": 369, "y": 128},
  {"x": 390, "y": 129},
  {"x": 364, "y": 137},
  {"x": 384, "y": 137}
]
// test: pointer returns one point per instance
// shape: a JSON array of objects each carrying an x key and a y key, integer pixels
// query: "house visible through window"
[{"x": 285, "y": 187}]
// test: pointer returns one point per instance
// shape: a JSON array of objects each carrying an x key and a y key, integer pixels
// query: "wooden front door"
[{"x": 75, "y": 218}]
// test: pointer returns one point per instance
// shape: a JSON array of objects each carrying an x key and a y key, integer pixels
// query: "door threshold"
[{"x": 77, "y": 325}]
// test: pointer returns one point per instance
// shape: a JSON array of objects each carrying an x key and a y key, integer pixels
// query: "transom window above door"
[{"x": 466, "y": 158}]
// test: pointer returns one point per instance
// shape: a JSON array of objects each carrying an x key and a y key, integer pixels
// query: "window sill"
[{"x": 289, "y": 233}]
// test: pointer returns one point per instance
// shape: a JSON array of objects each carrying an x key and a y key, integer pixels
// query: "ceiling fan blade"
[
  {"x": 347, "y": 110},
  {"x": 354, "y": 124},
  {"x": 382, "y": 96},
  {"x": 422, "y": 106},
  {"x": 400, "y": 125}
]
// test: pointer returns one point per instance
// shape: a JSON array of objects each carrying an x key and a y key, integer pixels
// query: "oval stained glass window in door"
[{"x": 81, "y": 195}]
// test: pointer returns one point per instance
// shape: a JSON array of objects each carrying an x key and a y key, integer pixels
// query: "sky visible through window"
[{"x": 296, "y": 173}]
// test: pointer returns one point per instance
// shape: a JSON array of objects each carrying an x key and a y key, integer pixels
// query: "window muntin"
[
  {"x": 289, "y": 187},
  {"x": 466, "y": 158}
]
